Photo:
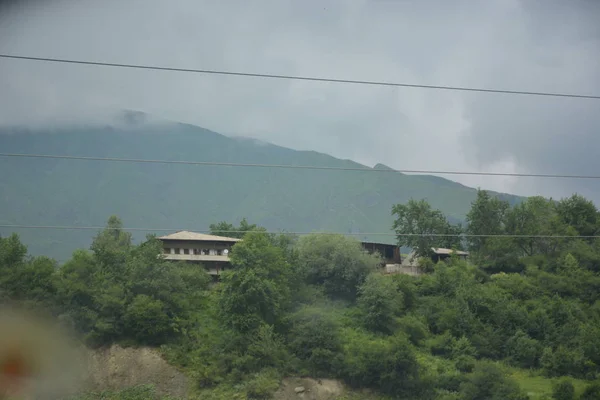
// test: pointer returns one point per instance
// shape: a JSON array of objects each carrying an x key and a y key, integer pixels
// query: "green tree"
[
  {"x": 563, "y": 390},
  {"x": 536, "y": 216},
  {"x": 282, "y": 240},
  {"x": 77, "y": 290},
  {"x": 591, "y": 392},
  {"x": 26, "y": 279},
  {"x": 462, "y": 347},
  {"x": 486, "y": 217},
  {"x": 580, "y": 214},
  {"x": 146, "y": 320},
  {"x": 563, "y": 361},
  {"x": 111, "y": 246},
  {"x": 386, "y": 364},
  {"x": 415, "y": 328},
  {"x": 420, "y": 227},
  {"x": 569, "y": 266},
  {"x": 175, "y": 288},
  {"x": 407, "y": 285},
  {"x": 379, "y": 302},
  {"x": 12, "y": 251},
  {"x": 488, "y": 382},
  {"x": 523, "y": 351},
  {"x": 125, "y": 292},
  {"x": 33, "y": 281},
  {"x": 336, "y": 262},
  {"x": 229, "y": 230},
  {"x": 266, "y": 349},
  {"x": 586, "y": 251},
  {"x": 315, "y": 339},
  {"x": 256, "y": 290}
]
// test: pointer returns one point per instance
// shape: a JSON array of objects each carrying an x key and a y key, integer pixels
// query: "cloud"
[
  {"x": 558, "y": 52},
  {"x": 508, "y": 44}
]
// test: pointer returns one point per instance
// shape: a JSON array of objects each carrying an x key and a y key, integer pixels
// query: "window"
[
  {"x": 389, "y": 252},
  {"x": 186, "y": 251},
  {"x": 167, "y": 250}
]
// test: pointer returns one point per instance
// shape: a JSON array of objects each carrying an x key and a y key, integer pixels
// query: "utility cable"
[
  {"x": 297, "y": 77},
  {"x": 291, "y": 166},
  {"x": 81, "y": 227}
]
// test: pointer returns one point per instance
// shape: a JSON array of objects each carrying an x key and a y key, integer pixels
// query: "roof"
[
  {"x": 411, "y": 260},
  {"x": 380, "y": 244},
  {"x": 440, "y": 251},
  {"x": 187, "y": 235}
]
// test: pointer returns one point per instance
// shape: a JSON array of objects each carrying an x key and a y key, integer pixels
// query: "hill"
[
  {"x": 159, "y": 196},
  {"x": 521, "y": 324}
]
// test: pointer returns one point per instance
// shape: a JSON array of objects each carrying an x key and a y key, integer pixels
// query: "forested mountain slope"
[{"x": 159, "y": 196}]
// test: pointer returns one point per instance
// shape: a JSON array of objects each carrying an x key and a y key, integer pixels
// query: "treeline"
[
  {"x": 318, "y": 305},
  {"x": 508, "y": 239},
  {"x": 117, "y": 292}
]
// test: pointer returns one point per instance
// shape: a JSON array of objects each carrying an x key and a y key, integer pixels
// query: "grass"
[
  {"x": 141, "y": 392},
  {"x": 360, "y": 395},
  {"x": 538, "y": 386}
]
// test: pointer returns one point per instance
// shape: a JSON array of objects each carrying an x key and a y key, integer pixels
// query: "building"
[
  {"x": 389, "y": 252},
  {"x": 392, "y": 262},
  {"x": 437, "y": 254},
  {"x": 440, "y": 254},
  {"x": 209, "y": 250}
]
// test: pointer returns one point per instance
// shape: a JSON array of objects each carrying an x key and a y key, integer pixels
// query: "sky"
[{"x": 530, "y": 45}]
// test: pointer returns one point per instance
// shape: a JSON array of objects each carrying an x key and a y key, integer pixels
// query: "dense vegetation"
[
  {"x": 524, "y": 310},
  {"x": 158, "y": 196},
  {"x": 141, "y": 392}
]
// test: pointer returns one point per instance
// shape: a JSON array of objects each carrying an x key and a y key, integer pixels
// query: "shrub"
[
  {"x": 563, "y": 390},
  {"x": 314, "y": 339}
]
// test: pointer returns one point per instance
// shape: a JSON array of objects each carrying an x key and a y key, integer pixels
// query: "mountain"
[{"x": 47, "y": 192}]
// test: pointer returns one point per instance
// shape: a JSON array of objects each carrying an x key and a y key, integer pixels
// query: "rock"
[
  {"x": 299, "y": 389},
  {"x": 328, "y": 389}
]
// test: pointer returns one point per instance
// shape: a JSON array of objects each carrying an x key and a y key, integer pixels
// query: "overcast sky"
[{"x": 533, "y": 45}]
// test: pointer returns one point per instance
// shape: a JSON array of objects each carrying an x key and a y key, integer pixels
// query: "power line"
[
  {"x": 290, "y": 166},
  {"x": 296, "y": 77},
  {"x": 78, "y": 227}
]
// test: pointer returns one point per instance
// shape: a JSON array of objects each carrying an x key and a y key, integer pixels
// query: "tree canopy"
[
  {"x": 421, "y": 227},
  {"x": 227, "y": 229},
  {"x": 525, "y": 305},
  {"x": 335, "y": 262}
]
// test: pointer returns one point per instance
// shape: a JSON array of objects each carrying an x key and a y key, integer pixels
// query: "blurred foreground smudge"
[{"x": 38, "y": 359}]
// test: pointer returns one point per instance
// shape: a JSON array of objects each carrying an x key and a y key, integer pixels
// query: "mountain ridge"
[{"x": 77, "y": 193}]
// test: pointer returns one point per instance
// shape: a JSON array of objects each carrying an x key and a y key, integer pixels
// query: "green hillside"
[{"x": 159, "y": 196}]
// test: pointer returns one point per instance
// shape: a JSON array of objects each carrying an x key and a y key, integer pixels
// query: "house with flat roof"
[
  {"x": 209, "y": 250},
  {"x": 440, "y": 254},
  {"x": 390, "y": 253},
  {"x": 437, "y": 254}
]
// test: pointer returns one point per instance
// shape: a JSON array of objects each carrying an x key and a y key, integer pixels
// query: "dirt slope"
[{"x": 117, "y": 368}]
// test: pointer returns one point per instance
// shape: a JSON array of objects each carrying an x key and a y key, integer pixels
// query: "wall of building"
[
  {"x": 390, "y": 253},
  {"x": 214, "y": 261},
  {"x": 401, "y": 269},
  {"x": 443, "y": 257},
  {"x": 194, "y": 247}
]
